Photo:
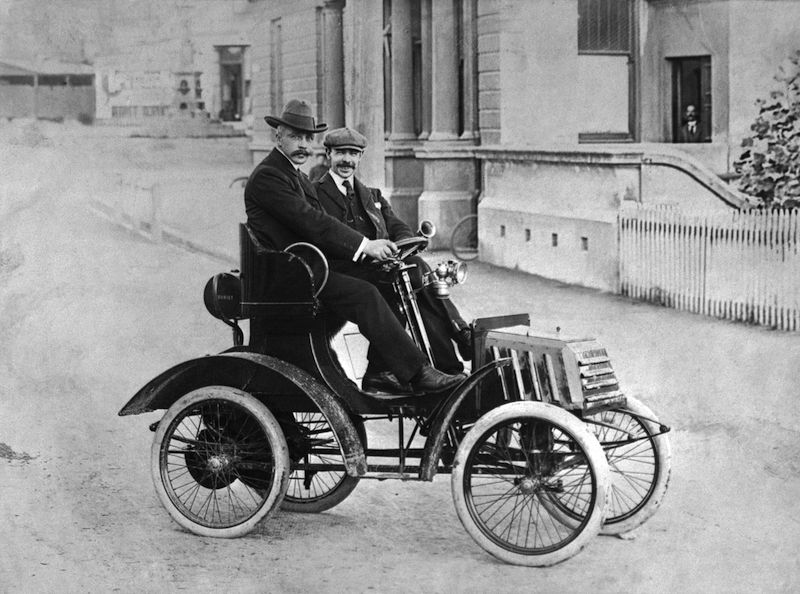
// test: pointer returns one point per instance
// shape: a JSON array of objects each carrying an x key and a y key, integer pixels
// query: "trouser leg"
[
  {"x": 439, "y": 333},
  {"x": 361, "y": 302}
]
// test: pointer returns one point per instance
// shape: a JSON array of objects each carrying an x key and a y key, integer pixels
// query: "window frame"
[{"x": 632, "y": 134}]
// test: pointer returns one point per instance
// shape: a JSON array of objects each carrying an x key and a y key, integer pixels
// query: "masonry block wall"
[{"x": 557, "y": 220}]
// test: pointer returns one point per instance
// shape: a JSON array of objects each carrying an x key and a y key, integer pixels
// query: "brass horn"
[{"x": 426, "y": 228}]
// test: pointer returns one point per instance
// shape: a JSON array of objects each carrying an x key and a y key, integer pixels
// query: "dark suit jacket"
[
  {"x": 282, "y": 208},
  {"x": 686, "y": 136},
  {"x": 379, "y": 212}
]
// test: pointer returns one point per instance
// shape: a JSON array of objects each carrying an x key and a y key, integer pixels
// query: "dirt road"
[{"x": 89, "y": 312}]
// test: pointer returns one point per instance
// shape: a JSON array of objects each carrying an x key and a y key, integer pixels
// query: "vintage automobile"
[{"x": 543, "y": 448}]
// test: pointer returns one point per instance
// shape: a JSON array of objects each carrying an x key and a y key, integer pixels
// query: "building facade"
[
  {"x": 546, "y": 117},
  {"x": 46, "y": 90}
]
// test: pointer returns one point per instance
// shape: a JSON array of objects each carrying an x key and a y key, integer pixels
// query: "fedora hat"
[{"x": 297, "y": 114}]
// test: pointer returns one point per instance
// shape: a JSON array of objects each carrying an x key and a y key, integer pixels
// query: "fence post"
[{"x": 156, "y": 197}]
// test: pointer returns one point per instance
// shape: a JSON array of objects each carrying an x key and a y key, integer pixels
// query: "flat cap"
[{"x": 345, "y": 138}]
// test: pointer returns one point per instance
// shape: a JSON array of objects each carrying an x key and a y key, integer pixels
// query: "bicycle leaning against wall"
[{"x": 464, "y": 238}]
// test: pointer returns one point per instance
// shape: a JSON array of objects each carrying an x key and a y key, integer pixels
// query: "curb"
[{"x": 169, "y": 235}]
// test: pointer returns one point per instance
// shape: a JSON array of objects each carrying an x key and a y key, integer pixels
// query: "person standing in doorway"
[{"x": 690, "y": 131}]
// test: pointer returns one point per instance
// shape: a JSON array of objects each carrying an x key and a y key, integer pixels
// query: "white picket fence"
[{"x": 743, "y": 265}]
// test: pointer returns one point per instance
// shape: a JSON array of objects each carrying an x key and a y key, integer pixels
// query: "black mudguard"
[
  {"x": 435, "y": 441},
  {"x": 267, "y": 378}
]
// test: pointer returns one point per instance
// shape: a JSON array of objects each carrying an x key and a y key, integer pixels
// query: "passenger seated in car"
[
  {"x": 343, "y": 196},
  {"x": 283, "y": 208}
]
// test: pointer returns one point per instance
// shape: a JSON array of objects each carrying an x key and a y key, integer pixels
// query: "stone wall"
[{"x": 554, "y": 213}]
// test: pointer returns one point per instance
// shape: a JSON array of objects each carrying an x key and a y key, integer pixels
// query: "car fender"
[
  {"x": 436, "y": 435},
  {"x": 253, "y": 373}
]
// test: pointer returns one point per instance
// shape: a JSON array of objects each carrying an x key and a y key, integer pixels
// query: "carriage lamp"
[{"x": 445, "y": 275}]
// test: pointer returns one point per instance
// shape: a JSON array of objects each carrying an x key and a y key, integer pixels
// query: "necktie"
[
  {"x": 691, "y": 127},
  {"x": 349, "y": 199}
]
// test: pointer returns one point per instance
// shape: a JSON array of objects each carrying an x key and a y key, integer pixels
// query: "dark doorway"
[
  {"x": 691, "y": 85},
  {"x": 231, "y": 83}
]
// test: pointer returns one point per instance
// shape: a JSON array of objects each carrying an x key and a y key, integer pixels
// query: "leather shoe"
[
  {"x": 429, "y": 380},
  {"x": 383, "y": 381}
]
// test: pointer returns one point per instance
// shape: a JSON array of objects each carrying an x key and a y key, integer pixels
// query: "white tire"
[
  {"x": 640, "y": 460},
  {"x": 219, "y": 462},
  {"x": 508, "y": 467}
]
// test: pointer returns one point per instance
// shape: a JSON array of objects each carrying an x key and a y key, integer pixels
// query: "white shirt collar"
[
  {"x": 292, "y": 163},
  {"x": 339, "y": 181}
]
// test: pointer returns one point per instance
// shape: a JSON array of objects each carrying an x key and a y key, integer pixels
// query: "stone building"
[
  {"x": 46, "y": 89},
  {"x": 546, "y": 117}
]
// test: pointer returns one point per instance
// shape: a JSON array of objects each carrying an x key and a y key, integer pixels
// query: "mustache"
[{"x": 301, "y": 152}]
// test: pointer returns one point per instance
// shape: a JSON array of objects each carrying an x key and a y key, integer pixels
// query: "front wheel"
[
  {"x": 219, "y": 462},
  {"x": 510, "y": 463}
]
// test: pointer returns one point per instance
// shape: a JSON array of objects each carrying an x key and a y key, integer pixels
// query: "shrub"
[
  {"x": 770, "y": 163},
  {"x": 86, "y": 119}
]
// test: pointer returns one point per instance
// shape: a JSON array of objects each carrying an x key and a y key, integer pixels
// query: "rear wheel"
[
  {"x": 511, "y": 461},
  {"x": 640, "y": 461},
  {"x": 219, "y": 462},
  {"x": 319, "y": 480}
]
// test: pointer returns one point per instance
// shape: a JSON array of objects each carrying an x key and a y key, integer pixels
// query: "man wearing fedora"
[
  {"x": 343, "y": 196},
  {"x": 282, "y": 208}
]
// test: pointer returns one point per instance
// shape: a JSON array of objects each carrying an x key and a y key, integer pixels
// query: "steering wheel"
[{"x": 410, "y": 246}]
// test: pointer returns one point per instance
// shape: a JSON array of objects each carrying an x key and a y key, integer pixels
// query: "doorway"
[
  {"x": 691, "y": 85},
  {"x": 231, "y": 82}
]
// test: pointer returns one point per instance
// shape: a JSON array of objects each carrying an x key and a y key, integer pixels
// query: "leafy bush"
[{"x": 770, "y": 163}]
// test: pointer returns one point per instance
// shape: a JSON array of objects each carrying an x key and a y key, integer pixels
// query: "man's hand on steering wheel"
[
  {"x": 410, "y": 246},
  {"x": 380, "y": 249}
]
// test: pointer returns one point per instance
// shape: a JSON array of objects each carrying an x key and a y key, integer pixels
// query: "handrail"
[{"x": 624, "y": 155}]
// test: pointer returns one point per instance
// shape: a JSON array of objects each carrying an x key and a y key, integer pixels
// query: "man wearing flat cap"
[
  {"x": 282, "y": 208},
  {"x": 364, "y": 209}
]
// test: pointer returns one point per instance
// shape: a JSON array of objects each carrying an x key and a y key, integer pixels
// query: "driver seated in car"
[
  {"x": 283, "y": 208},
  {"x": 364, "y": 209}
]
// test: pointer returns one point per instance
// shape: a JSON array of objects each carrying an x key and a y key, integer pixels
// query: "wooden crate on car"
[{"x": 573, "y": 373}]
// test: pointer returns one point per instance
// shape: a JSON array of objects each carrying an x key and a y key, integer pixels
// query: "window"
[
  {"x": 52, "y": 80},
  {"x": 607, "y": 70},
  {"x": 16, "y": 80},
  {"x": 387, "y": 66},
  {"x": 604, "y": 26},
  {"x": 276, "y": 67},
  {"x": 416, "y": 68},
  {"x": 81, "y": 80},
  {"x": 691, "y": 86}
]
